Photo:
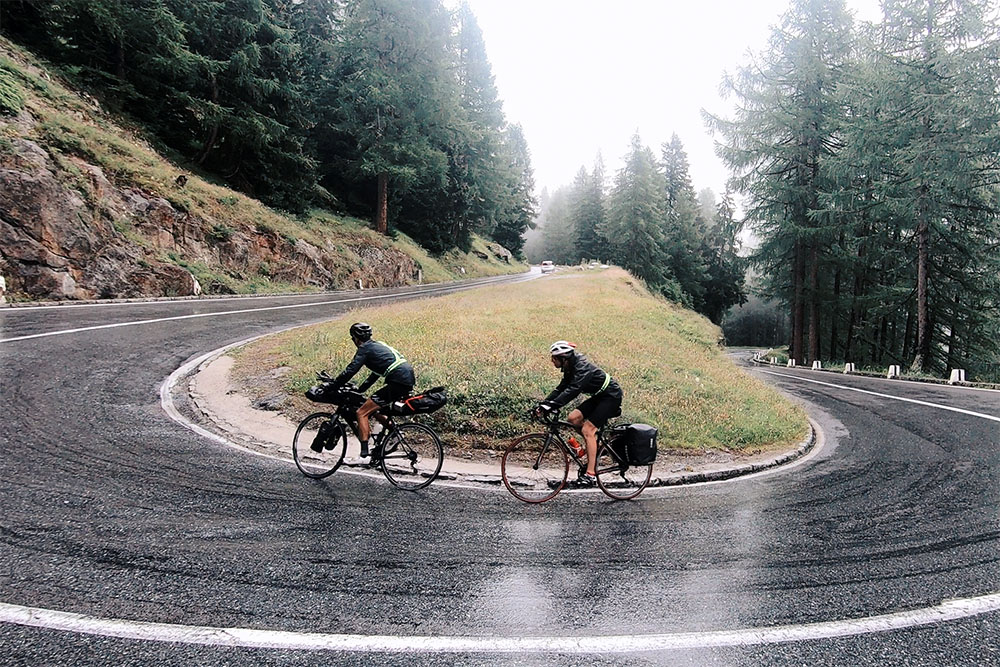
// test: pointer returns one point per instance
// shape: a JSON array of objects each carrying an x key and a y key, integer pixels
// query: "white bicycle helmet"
[{"x": 561, "y": 347}]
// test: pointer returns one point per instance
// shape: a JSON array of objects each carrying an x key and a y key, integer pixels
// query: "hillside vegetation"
[
  {"x": 89, "y": 209},
  {"x": 490, "y": 348}
]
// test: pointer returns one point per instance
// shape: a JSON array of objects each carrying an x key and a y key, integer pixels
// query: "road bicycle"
[
  {"x": 535, "y": 466},
  {"x": 409, "y": 454}
]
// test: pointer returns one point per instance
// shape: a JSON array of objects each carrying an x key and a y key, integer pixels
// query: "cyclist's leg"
[
  {"x": 366, "y": 410},
  {"x": 594, "y": 414},
  {"x": 381, "y": 399}
]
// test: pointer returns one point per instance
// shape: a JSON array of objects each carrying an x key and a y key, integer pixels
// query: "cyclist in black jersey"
[
  {"x": 383, "y": 361},
  {"x": 605, "y": 402}
]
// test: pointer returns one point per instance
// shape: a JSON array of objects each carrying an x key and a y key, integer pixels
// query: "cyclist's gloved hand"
[{"x": 544, "y": 409}]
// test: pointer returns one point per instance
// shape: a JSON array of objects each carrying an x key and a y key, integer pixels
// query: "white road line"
[
  {"x": 451, "y": 288},
  {"x": 949, "y": 610},
  {"x": 889, "y": 396}
]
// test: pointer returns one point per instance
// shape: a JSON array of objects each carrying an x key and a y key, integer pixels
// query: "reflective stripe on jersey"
[
  {"x": 607, "y": 381},
  {"x": 399, "y": 359}
]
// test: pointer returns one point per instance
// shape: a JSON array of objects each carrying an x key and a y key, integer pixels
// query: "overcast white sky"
[{"x": 582, "y": 76}]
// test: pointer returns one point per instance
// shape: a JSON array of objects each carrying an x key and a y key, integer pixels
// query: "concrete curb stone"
[{"x": 210, "y": 411}]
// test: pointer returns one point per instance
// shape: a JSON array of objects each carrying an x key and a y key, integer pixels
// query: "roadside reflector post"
[
  {"x": 849, "y": 368},
  {"x": 791, "y": 363},
  {"x": 957, "y": 376},
  {"x": 817, "y": 366},
  {"x": 893, "y": 373}
]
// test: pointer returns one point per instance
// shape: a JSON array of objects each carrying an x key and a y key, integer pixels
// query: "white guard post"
[
  {"x": 849, "y": 368},
  {"x": 893, "y": 372},
  {"x": 957, "y": 376},
  {"x": 817, "y": 366}
]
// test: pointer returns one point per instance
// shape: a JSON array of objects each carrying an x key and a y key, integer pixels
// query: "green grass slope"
[{"x": 490, "y": 348}]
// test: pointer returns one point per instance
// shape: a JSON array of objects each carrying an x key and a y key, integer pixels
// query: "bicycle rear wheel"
[
  {"x": 534, "y": 468},
  {"x": 332, "y": 443},
  {"x": 412, "y": 456},
  {"x": 618, "y": 479}
]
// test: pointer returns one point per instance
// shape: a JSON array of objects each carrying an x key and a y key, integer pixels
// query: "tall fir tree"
[
  {"x": 634, "y": 223},
  {"x": 788, "y": 115}
]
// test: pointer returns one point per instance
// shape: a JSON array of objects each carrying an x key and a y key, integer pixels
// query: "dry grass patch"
[{"x": 490, "y": 348}]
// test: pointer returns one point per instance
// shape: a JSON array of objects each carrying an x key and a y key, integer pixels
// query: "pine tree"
[
  {"x": 634, "y": 223},
  {"x": 783, "y": 131},
  {"x": 589, "y": 212},
  {"x": 684, "y": 228},
  {"x": 391, "y": 101},
  {"x": 517, "y": 199}
]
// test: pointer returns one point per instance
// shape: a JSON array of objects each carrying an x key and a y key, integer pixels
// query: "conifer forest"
[{"x": 864, "y": 197}]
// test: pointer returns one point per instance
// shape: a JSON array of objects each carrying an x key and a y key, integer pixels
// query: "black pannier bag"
[
  {"x": 329, "y": 433},
  {"x": 422, "y": 403},
  {"x": 636, "y": 443}
]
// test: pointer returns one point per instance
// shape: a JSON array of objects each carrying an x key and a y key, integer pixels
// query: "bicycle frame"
[{"x": 552, "y": 428}]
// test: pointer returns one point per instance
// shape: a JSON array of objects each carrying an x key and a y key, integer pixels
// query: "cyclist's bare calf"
[
  {"x": 368, "y": 409},
  {"x": 589, "y": 432}
]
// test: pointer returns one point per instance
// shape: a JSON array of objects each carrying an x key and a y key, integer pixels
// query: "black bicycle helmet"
[{"x": 361, "y": 331}]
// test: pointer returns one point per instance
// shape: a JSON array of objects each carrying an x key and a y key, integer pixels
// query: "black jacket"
[
  {"x": 377, "y": 357},
  {"x": 579, "y": 375}
]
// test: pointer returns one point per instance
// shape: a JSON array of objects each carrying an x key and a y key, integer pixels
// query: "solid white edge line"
[
  {"x": 248, "y": 297},
  {"x": 452, "y": 288},
  {"x": 889, "y": 396},
  {"x": 948, "y": 610}
]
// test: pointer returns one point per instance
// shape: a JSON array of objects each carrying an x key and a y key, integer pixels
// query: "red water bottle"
[{"x": 575, "y": 444}]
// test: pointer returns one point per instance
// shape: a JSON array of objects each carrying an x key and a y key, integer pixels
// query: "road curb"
[{"x": 224, "y": 431}]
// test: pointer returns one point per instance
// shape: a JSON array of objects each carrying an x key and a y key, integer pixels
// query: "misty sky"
[{"x": 583, "y": 76}]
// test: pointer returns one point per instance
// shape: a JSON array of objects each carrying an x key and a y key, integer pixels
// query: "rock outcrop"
[{"x": 68, "y": 232}]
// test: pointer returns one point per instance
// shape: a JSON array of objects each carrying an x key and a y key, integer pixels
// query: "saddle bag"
[{"x": 423, "y": 403}]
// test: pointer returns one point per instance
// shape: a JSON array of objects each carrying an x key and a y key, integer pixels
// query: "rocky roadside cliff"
[
  {"x": 88, "y": 210},
  {"x": 68, "y": 232}
]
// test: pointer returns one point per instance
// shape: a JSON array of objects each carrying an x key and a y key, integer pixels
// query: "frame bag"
[{"x": 423, "y": 403}]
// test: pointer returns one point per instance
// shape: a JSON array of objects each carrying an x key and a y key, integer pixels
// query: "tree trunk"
[
  {"x": 814, "y": 352},
  {"x": 214, "y": 132},
  {"x": 921, "y": 360},
  {"x": 953, "y": 339},
  {"x": 798, "y": 310},
  {"x": 382, "y": 205}
]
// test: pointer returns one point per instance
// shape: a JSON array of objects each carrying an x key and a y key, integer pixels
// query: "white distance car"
[{"x": 548, "y": 267}]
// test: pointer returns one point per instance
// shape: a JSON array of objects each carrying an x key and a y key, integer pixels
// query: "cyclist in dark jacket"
[
  {"x": 385, "y": 362},
  {"x": 605, "y": 402}
]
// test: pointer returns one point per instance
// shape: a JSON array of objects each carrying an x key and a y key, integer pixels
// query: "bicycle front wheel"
[
  {"x": 412, "y": 456},
  {"x": 319, "y": 444},
  {"x": 534, "y": 468},
  {"x": 617, "y": 478}
]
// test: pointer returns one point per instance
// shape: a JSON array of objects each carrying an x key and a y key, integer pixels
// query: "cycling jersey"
[
  {"x": 383, "y": 361},
  {"x": 579, "y": 375}
]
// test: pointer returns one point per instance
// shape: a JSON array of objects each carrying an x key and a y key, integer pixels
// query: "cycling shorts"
[
  {"x": 601, "y": 407},
  {"x": 390, "y": 393}
]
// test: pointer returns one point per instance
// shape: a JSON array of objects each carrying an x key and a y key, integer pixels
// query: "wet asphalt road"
[{"x": 112, "y": 510}]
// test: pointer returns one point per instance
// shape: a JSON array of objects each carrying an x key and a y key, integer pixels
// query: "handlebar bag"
[
  {"x": 324, "y": 392},
  {"x": 423, "y": 403}
]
